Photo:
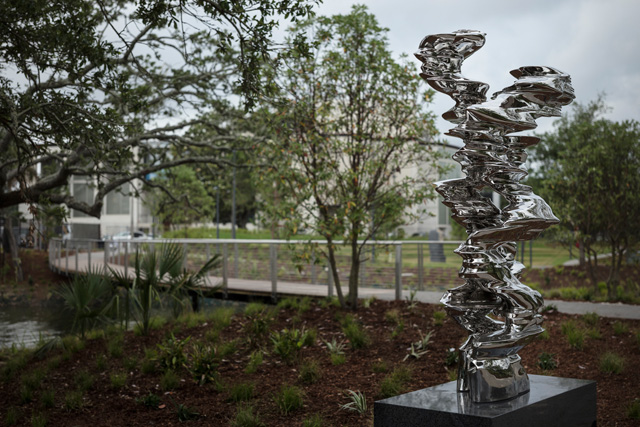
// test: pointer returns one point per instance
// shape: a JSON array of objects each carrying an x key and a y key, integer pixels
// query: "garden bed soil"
[{"x": 104, "y": 405}]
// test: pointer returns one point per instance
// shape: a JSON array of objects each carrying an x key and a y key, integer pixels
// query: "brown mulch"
[{"x": 106, "y": 406}]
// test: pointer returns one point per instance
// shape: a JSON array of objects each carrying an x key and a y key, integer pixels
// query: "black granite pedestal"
[{"x": 551, "y": 402}]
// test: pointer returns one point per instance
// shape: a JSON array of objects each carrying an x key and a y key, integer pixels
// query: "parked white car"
[{"x": 126, "y": 236}]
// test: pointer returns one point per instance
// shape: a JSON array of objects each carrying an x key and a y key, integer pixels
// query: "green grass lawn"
[{"x": 544, "y": 253}]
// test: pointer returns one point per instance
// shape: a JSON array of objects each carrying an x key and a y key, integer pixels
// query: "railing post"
[
  {"x": 126, "y": 260},
  {"x": 106, "y": 254},
  {"x": 314, "y": 271},
  {"x": 273, "y": 258},
  {"x": 76, "y": 257},
  {"x": 225, "y": 269},
  {"x": 420, "y": 267},
  {"x": 184, "y": 256},
  {"x": 235, "y": 260},
  {"x": 398, "y": 271}
]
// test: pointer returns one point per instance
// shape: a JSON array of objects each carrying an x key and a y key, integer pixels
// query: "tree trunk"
[
  {"x": 10, "y": 243},
  {"x": 334, "y": 271},
  {"x": 590, "y": 269},
  {"x": 354, "y": 275},
  {"x": 581, "y": 252}
]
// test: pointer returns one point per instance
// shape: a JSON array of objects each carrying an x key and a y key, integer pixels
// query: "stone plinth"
[{"x": 551, "y": 402}]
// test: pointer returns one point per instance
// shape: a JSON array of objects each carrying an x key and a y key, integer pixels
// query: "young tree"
[
  {"x": 589, "y": 171},
  {"x": 347, "y": 123}
]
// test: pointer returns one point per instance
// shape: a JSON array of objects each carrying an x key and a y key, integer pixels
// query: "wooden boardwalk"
[
  {"x": 83, "y": 262},
  {"x": 74, "y": 264}
]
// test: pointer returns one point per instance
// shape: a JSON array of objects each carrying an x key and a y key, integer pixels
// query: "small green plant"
[
  {"x": 337, "y": 359},
  {"x": 590, "y": 319},
  {"x": 101, "y": 362},
  {"x": 412, "y": 301},
  {"x": 245, "y": 417},
  {"x": 544, "y": 335},
  {"x": 358, "y": 402},
  {"x": 288, "y": 302},
  {"x": 356, "y": 335},
  {"x": 379, "y": 367},
  {"x": 334, "y": 346},
  {"x": 288, "y": 399},
  {"x": 438, "y": 317},
  {"x": 241, "y": 392},
  {"x": 452, "y": 357},
  {"x": 47, "y": 398},
  {"x": 33, "y": 379},
  {"x": 547, "y": 361},
  {"x": 221, "y": 317},
  {"x": 185, "y": 413},
  {"x": 12, "y": 416},
  {"x": 84, "y": 380},
  {"x": 366, "y": 303},
  {"x": 310, "y": 372},
  {"x": 115, "y": 346},
  {"x": 53, "y": 363},
  {"x": 288, "y": 342},
  {"x": 227, "y": 348},
  {"x": 611, "y": 363},
  {"x": 452, "y": 374},
  {"x": 633, "y": 410},
  {"x": 255, "y": 360},
  {"x": 169, "y": 380},
  {"x": 594, "y": 333},
  {"x": 576, "y": 338},
  {"x": 171, "y": 353},
  {"x": 413, "y": 352},
  {"x": 26, "y": 394},
  {"x": 620, "y": 328},
  {"x": 203, "y": 363},
  {"x": 73, "y": 400},
  {"x": 130, "y": 363},
  {"x": 118, "y": 380},
  {"x": 395, "y": 383},
  {"x": 38, "y": 420},
  {"x": 150, "y": 401},
  {"x": 313, "y": 421}
]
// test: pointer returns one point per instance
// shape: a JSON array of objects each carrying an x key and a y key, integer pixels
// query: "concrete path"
[{"x": 73, "y": 264}]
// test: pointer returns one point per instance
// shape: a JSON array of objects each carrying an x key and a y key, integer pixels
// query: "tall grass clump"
[
  {"x": 395, "y": 383},
  {"x": 289, "y": 399},
  {"x": 611, "y": 363},
  {"x": 245, "y": 417}
]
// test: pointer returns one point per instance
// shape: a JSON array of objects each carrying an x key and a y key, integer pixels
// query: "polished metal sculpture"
[{"x": 500, "y": 313}]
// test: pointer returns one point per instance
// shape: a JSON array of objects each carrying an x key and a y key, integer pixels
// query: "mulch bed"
[{"x": 106, "y": 406}]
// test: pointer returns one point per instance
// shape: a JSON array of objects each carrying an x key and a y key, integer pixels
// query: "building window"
[
  {"x": 118, "y": 202},
  {"x": 82, "y": 193}
]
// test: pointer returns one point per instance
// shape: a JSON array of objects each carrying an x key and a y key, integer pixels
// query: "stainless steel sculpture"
[{"x": 500, "y": 313}]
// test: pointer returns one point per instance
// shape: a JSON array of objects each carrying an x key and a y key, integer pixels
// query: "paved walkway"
[{"x": 73, "y": 264}]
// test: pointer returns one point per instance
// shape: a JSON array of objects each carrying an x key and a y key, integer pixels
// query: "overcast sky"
[{"x": 596, "y": 42}]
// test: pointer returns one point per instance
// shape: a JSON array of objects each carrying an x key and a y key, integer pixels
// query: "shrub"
[
  {"x": 633, "y": 410},
  {"x": 288, "y": 399},
  {"x": 590, "y": 319},
  {"x": 171, "y": 352},
  {"x": 150, "y": 401},
  {"x": 241, "y": 392},
  {"x": 357, "y": 336},
  {"x": 395, "y": 383},
  {"x": 452, "y": 357},
  {"x": 310, "y": 372},
  {"x": 358, "y": 402},
  {"x": 611, "y": 363},
  {"x": 246, "y": 418},
  {"x": 169, "y": 380},
  {"x": 221, "y": 317},
  {"x": 392, "y": 316},
  {"x": 594, "y": 333},
  {"x": 47, "y": 398},
  {"x": 203, "y": 364},
  {"x": 185, "y": 413},
  {"x": 227, "y": 348},
  {"x": 576, "y": 338},
  {"x": 338, "y": 359},
  {"x": 379, "y": 367},
  {"x": 118, "y": 380},
  {"x": 288, "y": 342},
  {"x": 38, "y": 420},
  {"x": 73, "y": 400},
  {"x": 335, "y": 347},
  {"x": 620, "y": 328},
  {"x": 83, "y": 380},
  {"x": 288, "y": 302},
  {"x": 255, "y": 360},
  {"x": 438, "y": 317},
  {"x": 547, "y": 361}
]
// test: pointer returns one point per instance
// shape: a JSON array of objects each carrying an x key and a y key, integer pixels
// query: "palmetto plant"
[
  {"x": 159, "y": 270},
  {"x": 89, "y": 296}
]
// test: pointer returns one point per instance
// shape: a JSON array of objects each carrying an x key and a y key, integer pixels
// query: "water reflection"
[{"x": 26, "y": 325}]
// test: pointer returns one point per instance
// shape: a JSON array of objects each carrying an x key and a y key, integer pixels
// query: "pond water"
[{"x": 25, "y": 325}]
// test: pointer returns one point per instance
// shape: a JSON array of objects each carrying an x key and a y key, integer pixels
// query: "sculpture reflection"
[{"x": 500, "y": 313}]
